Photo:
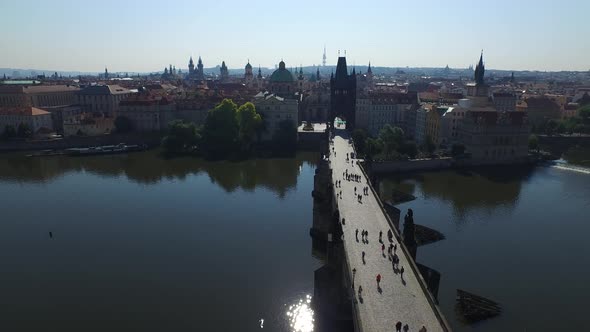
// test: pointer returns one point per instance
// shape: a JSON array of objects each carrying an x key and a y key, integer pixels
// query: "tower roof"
[
  {"x": 248, "y": 65},
  {"x": 479, "y": 71},
  {"x": 282, "y": 74},
  {"x": 341, "y": 70}
]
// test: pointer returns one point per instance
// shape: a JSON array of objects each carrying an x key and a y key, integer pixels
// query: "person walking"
[
  {"x": 423, "y": 329},
  {"x": 398, "y": 326},
  {"x": 380, "y": 236},
  {"x": 378, "y": 278},
  {"x": 360, "y": 291},
  {"x": 363, "y": 257},
  {"x": 401, "y": 272},
  {"x": 356, "y": 235}
]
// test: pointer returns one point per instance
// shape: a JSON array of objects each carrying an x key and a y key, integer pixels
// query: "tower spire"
[{"x": 324, "y": 57}]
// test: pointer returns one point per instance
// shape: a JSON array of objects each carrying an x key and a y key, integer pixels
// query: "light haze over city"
[{"x": 145, "y": 36}]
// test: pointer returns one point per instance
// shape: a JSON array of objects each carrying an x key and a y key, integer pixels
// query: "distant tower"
[
  {"x": 106, "y": 73},
  {"x": 191, "y": 66},
  {"x": 343, "y": 95},
  {"x": 370, "y": 74},
  {"x": 248, "y": 75},
  {"x": 317, "y": 74},
  {"x": 170, "y": 70},
  {"x": 259, "y": 73},
  {"x": 223, "y": 71},
  {"x": 200, "y": 74},
  {"x": 480, "y": 88},
  {"x": 512, "y": 77},
  {"x": 479, "y": 71},
  {"x": 324, "y": 57}
]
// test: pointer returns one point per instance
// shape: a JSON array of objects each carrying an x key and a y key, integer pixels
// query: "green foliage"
[
  {"x": 9, "y": 132},
  {"x": 392, "y": 138},
  {"x": 250, "y": 124},
  {"x": 584, "y": 114},
  {"x": 359, "y": 136},
  {"x": 373, "y": 147},
  {"x": 285, "y": 137},
  {"x": 182, "y": 137},
  {"x": 24, "y": 131},
  {"x": 428, "y": 145},
  {"x": 551, "y": 127},
  {"x": 123, "y": 124},
  {"x": 533, "y": 142},
  {"x": 409, "y": 148},
  {"x": 457, "y": 150},
  {"x": 221, "y": 130}
]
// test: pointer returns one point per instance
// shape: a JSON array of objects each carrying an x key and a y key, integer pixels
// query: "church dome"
[
  {"x": 248, "y": 65},
  {"x": 282, "y": 74}
]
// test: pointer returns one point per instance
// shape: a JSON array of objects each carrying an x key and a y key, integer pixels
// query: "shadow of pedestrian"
[{"x": 379, "y": 290}]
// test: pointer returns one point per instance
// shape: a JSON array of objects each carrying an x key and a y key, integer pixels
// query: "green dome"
[{"x": 282, "y": 74}]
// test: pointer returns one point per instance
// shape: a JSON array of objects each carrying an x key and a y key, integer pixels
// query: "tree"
[
  {"x": 410, "y": 149},
  {"x": 373, "y": 148},
  {"x": 181, "y": 137},
  {"x": 579, "y": 129},
  {"x": 9, "y": 132},
  {"x": 285, "y": 136},
  {"x": 584, "y": 113},
  {"x": 560, "y": 127},
  {"x": 221, "y": 130},
  {"x": 359, "y": 136},
  {"x": 392, "y": 138},
  {"x": 457, "y": 150},
  {"x": 533, "y": 143},
  {"x": 249, "y": 123},
  {"x": 123, "y": 124},
  {"x": 24, "y": 131},
  {"x": 551, "y": 127},
  {"x": 429, "y": 145}
]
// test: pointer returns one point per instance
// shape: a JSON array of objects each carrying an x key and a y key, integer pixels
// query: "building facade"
[
  {"x": 34, "y": 118},
  {"x": 103, "y": 98},
  {"x": 275, "y": 109},
  {"x": 375, "y": 110},
  {"x": 37, "y": 95},
  {"x": 495, "y": 137}
]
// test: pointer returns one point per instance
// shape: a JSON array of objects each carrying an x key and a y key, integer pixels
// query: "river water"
[
  {"x": 518, "y": 236},
  {"x": 140, "y": 243}
]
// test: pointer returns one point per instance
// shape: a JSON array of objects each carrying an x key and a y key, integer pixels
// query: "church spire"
[
  {"x": 369, "y": 71},
  {"x": 479, "y": 71}
]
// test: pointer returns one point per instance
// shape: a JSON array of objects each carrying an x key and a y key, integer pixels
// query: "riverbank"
[{"x": 151, "y": 140}]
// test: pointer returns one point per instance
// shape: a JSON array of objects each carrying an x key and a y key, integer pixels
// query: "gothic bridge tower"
[{"x": 343, "y": 95}]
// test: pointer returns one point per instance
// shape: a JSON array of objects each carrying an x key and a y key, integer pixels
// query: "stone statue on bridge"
[{"x": 410, "y": 233}]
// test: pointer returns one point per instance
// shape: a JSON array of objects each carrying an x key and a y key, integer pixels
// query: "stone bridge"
[{"x": 338, "y": 214}]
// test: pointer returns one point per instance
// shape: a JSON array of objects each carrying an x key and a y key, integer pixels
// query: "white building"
[
  {"x": 375, "y": 110},
  {"x": 275, "y": 109},
  {"x": 34, "y": 117}
]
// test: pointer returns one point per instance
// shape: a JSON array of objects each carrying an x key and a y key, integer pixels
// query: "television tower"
[{"x": 324, "y": 57}]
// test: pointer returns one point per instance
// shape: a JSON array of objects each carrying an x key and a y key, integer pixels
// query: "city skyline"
[{"x": 69, "y": 36}]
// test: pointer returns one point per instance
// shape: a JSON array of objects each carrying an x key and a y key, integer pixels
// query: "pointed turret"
[
  {"x": 259, "y": 72},
  {"x": 191, "y": 66},
  {"x": 369, "y": 71},
  {"x": 317, "y": 74},
  {"x": 479, "y": 71}
]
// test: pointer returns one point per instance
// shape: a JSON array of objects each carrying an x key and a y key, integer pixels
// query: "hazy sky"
[{"x": 147, "y": 35}]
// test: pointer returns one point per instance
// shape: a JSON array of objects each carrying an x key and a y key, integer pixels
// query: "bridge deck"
[{"x": 399, "y": 300}]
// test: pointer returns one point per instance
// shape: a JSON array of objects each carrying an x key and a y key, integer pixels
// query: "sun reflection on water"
[{"x": 301, "y": 315}]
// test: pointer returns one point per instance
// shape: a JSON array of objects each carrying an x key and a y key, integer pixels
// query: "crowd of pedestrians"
[{"x": 391, "y": 246}]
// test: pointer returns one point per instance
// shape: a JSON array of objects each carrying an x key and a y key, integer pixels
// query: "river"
[
  {"x": 518, "y": 236},
  {"x": 140, "y": 243}
]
